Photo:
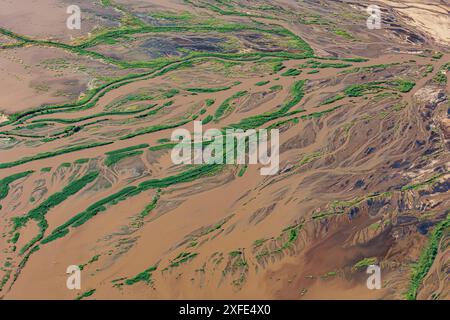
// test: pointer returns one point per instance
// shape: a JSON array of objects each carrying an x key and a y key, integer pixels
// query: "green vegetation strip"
[
  {"x": 115, "y": 156},
  {"x": 441, "y": 76},
  {"x": 112, "y": 160},
  {"x": 5, "y": 182},
  {"x": 225, "y": 106},
  {"x": 38, "y": 213},
  {"x": 291, "y": 72},
  {"x": 425, "y": 183},
  {"x": 145, "y": 276},
  {"x": 182, "y": 258},
  {"x": 208, "y": 90},
  {"x": 127, "y": 192},
  {"x": 101, "y": 114},
  {"x": 296, "y": 93},
  {"x": 51, "y": 154},
  {"x": 85, "y": 294},
  {"x": 420, "y": 270},
  {"x": 359, "y": 90},
  {"x": 152, "y": 205},
  {"x": 365, "y": 263}
]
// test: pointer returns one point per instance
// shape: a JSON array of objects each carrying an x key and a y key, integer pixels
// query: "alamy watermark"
[
  {"x": 74, "y": 280},
  {"x": 374, "y": 20},
  {"x": 374, "y": 281},
  {"x": 229, "y": 146},
  {"x": 73, "y": 22}
]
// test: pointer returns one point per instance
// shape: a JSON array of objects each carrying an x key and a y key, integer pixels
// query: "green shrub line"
[
  {"x": 92, "y": 96},
  {"x": 163, "y": 146},
  {"x": 207, "y": 119},
  {"x": 5, "y": 182},
  {"x": 15, "y": 237},
  {"x": 131, "y": 97},
  {"x": 278, "y": 67},
  {"x": 151, "y": 206},
  {"x": 242, "y": 170},
  {"x": 426, "y": 260},
  {"x": 153, "y": 111},
  {"x": 54, "y": 236},
  {"x": 253, "y": 122},
  {"x": 441, "y": 75},
  {"x": 324, "y": 214},
  {"x": 355, "y": 59},
  {"x": 127, "y": 149},
  {"x": 225, "y": 106},
  {"x": 208, "y": 90},
  {"x": 276, "y": 87},
  {"x": 370, "y": 68},
  {"x": 85, "y": 294},
  {"x": 82, "y": 161},
  {"x": 5, "y": 279},
  {"x": 297, "y": 93},
  {"x": 306, "y": 52},
  {"x": 358, "y": 90},
  {"x": 235, "y": 253},
  {"x": 101, "y": 114},
  {"x": 38, "y": 214},
  {"x": 322, "y": 65},
  {"x": 308, "y": 116},
  {"x": 185, "y": 15},
  {"x": 23, "y": 262},
  {"x": 32, "y": 126},
  {"x": 90, "y": 99},
  {"x": 115, "y": 158},
  {"x": 344, "y": 34},
  {"x": 309, "y": 157},
  {"x": 319, "y": 114},
  {"x": 144, "y": 276},
  {"x": 425, "y": 183},
  {"x": 292, "y": 232},
  {"x": 51, "y": 154},
  {"x": 171, "y": 93},
  {"x": 67, "y": 131},
  {"x": 223, "y": 28},
  {"x": 209, "y": 102},
  {"x": 283, "y": 122},
  {"x": 182, "y": 258},
  {"x": 154, "y": 128},
  {"x": 130, "y": 191},
  {"x": 158, "y": 64},
  {"x": 291, "y": 72}
]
